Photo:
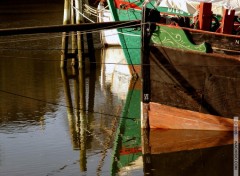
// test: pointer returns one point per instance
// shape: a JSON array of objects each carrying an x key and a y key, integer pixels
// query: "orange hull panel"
[
  {"x": 166, "y": 117},
  {"x": 167, "y": 141}
]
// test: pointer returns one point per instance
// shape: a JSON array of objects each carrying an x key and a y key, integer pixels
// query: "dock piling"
[
  {"x": 65, "y": 38},
  {"x": 74, "y": 39},
  {"x": 72, "y": 10},
  {"x": 80, "y": 48}
]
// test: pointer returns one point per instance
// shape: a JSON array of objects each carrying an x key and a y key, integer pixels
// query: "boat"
[
  {"x": 188, "y": 57},
  {"x": 190, "y": 78},
  {"x": 173, "y": 10}
]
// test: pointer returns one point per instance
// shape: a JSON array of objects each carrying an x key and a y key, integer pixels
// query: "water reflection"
[
  {"x": 20, "y": 87},
  {"x": 84, "y": 122},
  {"x": 123, "y": 134},
  {"x": 187, "y": 152},
  {"x": 85, "y": 112}
]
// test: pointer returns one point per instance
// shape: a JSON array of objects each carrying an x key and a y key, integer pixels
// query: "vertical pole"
[
  {"x": 66, "y": 20},
  {"x": 75, "y": 72},
  {"x": 79, "y": 35},
  {"x": 147, "y": 29},
  {"x": 76, "y": 120},
  {"x": 83, "y": 122},
  {"x": 73, "y": 21},
  {"x": 146, "y": 151},
  {"x": 145, "y": 70},
  {"x": 91, "y": 50},
  {"x": 70, "y": 113},
  {"x": 67, "y": 92}
]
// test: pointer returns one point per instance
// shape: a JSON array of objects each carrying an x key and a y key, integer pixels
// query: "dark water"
[
  {"x": 41, "y": 132},
  {"x": 82, "y": 122}
]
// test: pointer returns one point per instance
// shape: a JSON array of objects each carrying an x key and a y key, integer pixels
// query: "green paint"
[
  {"x": 175, "y": 38},
  {"x": 169, "y": 10},
  {"x": 128, "y": 133},
  {"x": 130, "y": 38}
]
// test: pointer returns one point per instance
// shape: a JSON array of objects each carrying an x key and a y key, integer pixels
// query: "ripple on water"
[{"x": 24, "y": 123}]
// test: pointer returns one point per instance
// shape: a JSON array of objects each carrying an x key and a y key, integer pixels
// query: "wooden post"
[
  {"x": 227, "y": 25},
  {"x": 74, "y": 37},
  {"x": 75, "y": 72},
  {"x": 145, "y": 70},
  {"x": 67, "y": 92},
  {"x": 79, "y": 36},
  {"x": 146, "y": 151},
  {"x": 91, "y": 88},
  {"x": 91, "y": 50},
  {"x": 83, "y": 122},
  {"x": 71, "y": 120},
  {"x": 75, "y": 121},
  {"x": 205, "y": 16},
  {"x": 149, "y": 18},
  {"x": 66, "y": 20}
]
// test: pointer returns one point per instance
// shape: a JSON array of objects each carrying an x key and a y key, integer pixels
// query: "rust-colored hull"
[{"x": 191, "y": 90}]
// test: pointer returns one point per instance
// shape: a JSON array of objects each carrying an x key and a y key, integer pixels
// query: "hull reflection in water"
[
  {"x": 187, "y": 152},
  {"x": 127, "y": 144},
  {"x": 123, "y": 132}
]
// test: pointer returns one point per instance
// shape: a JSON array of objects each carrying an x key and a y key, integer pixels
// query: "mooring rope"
[{"x": 77, "y": 10}]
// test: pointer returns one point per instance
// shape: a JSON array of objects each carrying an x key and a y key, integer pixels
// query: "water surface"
[{"x": 80, "y": 122}]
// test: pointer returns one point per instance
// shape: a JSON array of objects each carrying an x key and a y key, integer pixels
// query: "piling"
[
  {"x": 78, "y": 126},
  {"x": 145, "y": 67},
  {"x": 74, "y": 39},
  {"x": 65, "y": 38},
  {"x": 91, "y": 50},
  {"x": 70, "y": 113},
  {"x": 146, "y": 151},
  {"x": 67, "y": 91},
  {"x": 80, "y": 48},
  {"x": 83, "y": 121}
]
